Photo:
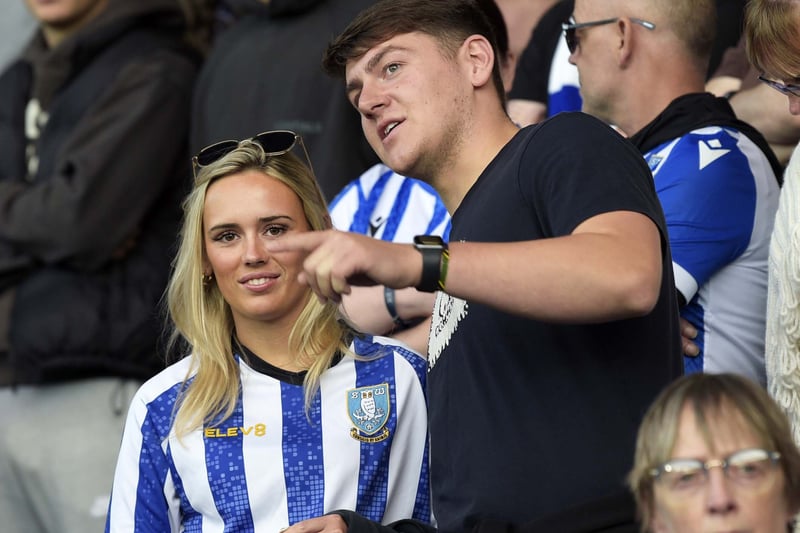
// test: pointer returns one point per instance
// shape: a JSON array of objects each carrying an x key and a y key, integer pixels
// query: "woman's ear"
[{"x": 656, "y": 523}]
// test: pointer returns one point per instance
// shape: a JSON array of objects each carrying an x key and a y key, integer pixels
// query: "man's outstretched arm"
[{"x": 609, "y": 268}]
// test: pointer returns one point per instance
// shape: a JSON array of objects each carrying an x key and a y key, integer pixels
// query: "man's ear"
[
  {"x": 480, "y": 57},
  {"x": 626, "y": 41}
]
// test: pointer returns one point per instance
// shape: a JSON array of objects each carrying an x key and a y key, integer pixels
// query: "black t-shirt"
[{"x": 528, "y": 418}]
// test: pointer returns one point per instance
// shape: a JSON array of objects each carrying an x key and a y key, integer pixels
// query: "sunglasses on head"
[
  {"x": 570, "y": 28},
  {"x": 274, "y": 143}
]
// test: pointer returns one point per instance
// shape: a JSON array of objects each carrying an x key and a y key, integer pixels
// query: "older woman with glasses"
[
  {"x": 772, "y": 29},
  {"x": 280, "y": 411},
  {"x": 714, "y": 453}
]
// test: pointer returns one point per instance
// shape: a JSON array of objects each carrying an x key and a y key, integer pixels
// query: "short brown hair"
[
  {"x": 450, "y": 22},
  {"x": 709, "y": 396}
]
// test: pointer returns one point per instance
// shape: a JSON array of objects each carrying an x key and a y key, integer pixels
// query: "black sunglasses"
[
  {"x": 570, "y": 27},
  {"x": 276, "y": 142}
]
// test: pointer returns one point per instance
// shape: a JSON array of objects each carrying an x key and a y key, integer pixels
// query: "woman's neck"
[{"x": 270, "y": 342}]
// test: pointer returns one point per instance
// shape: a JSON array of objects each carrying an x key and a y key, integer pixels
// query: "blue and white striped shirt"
[
  {"x": 390, "y": 207},
  {"x": 362, "y": 446}
]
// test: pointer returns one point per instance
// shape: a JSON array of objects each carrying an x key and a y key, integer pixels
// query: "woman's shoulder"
[{"x": 167, "y": 381}]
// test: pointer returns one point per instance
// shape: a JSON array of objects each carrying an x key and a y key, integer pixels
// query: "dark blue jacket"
[{"x": 86, "y": 238}]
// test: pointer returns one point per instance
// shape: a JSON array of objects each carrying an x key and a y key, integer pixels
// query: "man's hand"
[
  {"x": 688, "y": 334},
  {"x": 331, "y": 523},
  {"x": 338, "y": 260}
]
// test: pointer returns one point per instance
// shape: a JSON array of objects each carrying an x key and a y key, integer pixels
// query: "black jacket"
[
  {"x": 265, "y": 72},
  {"x": 697, "y": 110},
  {"x": 86, "y": 237}
]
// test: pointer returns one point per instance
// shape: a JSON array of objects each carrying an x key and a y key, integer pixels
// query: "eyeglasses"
[
  {"x": 747, "y": 468},
  {"x": 276, "y": 142},
  {"x": 787, "y": 89},
  {"x": 570, "y": 28}
]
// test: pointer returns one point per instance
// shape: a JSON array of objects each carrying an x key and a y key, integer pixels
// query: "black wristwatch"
[{"x": 432, "y": 248}]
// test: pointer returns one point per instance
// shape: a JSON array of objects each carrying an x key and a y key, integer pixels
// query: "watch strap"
[{"x": 431, "y": 267}]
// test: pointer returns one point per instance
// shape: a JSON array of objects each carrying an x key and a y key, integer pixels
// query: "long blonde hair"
[{"x": 200, "y": 315}]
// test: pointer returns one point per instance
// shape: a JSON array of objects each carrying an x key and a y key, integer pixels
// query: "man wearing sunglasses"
[
  {"x": 642, "y": 68},
  {"x": 546, "y": 83}
]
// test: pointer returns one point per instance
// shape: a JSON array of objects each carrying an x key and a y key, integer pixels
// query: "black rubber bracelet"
[{"x": 391, "y": 306}]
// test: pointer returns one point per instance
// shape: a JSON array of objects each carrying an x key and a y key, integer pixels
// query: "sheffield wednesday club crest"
[{"x": 368, "y": 408}]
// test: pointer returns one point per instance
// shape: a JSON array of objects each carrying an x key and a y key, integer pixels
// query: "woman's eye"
[
  {"x": 275, "y": 231},
  {"x": 392, "y": 68},
  {"x": 750, "y": 469},
  {"x": 226, "y": 236},
  {"x": 684, "y": 479}
]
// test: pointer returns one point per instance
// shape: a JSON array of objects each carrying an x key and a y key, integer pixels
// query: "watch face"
[{"x": 429, "y": 240}]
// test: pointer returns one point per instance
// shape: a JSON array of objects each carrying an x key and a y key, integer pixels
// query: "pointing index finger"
[{"x": 307, "y": 241}]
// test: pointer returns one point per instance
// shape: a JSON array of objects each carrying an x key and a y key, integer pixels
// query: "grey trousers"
[{"x": 58, "y": 451}]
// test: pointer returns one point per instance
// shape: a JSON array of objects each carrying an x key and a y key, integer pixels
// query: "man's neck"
[
  {"x": 653, "y": 86},
  {"x": 454, "y": 182}
]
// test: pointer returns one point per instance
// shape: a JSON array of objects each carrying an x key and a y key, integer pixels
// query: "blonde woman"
[{"x": 281, "y": 411}]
